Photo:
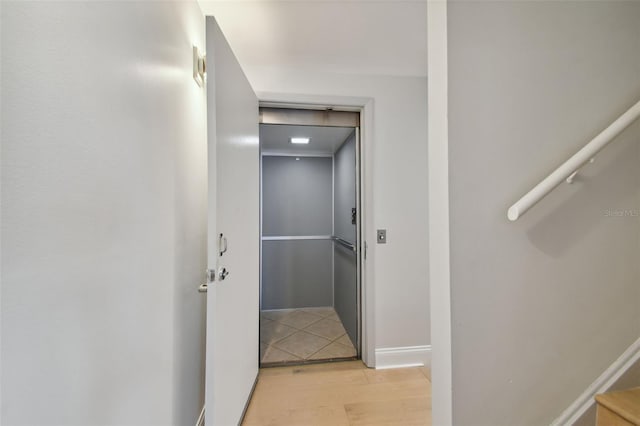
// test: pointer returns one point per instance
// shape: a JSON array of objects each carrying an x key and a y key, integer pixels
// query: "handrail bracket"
[{"x": 574, "y": 174}]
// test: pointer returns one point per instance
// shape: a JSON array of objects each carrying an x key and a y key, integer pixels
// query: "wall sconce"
[{"x": 199, "y": 66}]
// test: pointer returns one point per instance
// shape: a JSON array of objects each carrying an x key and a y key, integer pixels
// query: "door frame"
[
  {"x": 367, "y": 252},
  {"x": 439, "y": 236}
]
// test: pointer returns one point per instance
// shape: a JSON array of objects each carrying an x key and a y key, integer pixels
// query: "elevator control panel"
[{"x": 382, "y": 236}]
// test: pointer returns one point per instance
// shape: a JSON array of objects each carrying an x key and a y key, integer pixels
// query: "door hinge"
[{"x": 199, "y": 66}]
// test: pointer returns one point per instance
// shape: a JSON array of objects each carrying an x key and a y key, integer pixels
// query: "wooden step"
[{"x": 620, "y": 408}]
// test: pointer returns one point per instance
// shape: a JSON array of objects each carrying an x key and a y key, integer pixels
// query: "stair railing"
[{"x": 568, "y": 170}]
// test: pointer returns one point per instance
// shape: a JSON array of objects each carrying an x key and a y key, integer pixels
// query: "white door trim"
[
  {"x": 439, "y": 261},
  {"x": 365, "y": 106}
]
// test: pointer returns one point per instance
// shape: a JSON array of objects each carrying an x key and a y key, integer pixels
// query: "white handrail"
[{"x": 573, "y": 164}]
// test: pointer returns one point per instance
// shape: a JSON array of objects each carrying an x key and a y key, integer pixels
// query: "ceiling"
[
  {"x": 374, "y": 37},
  {"x": 274, "y": 138}
]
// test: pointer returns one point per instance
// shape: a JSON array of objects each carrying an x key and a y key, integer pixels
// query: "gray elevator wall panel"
[
  {"x": 296, "y": 196},
  {"x": 345, "y": 290},
  {"x": 345, "y": 282},
  {"x": 345, "y": 190},
  {"x": 296, "y": 274}
]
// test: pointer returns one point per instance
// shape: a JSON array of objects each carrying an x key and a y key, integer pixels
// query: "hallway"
[{"x": 342, "y": 393}]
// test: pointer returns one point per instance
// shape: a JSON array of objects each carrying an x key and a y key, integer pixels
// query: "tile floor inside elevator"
[{"x": 300, "y": 335}]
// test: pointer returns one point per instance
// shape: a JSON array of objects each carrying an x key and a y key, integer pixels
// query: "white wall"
[
  {"x": 103, "y": 213},
  {"x": 398, "y": 173},
  {"x": 542, "y": 306},
  {"x": 381, "y": 37}
]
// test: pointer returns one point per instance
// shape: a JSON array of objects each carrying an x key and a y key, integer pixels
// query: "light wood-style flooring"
[{"x": 340, "y": 393}]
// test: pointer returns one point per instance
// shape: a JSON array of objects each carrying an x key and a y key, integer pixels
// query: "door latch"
[
  {"x": 222, "y": 274},
  {"x": 210, "y": 276}
]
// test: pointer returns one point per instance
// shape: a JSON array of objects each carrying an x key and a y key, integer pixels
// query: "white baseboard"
[
  {"x": 602, "y": 384},
  {"x": 408, "y": 356},
  {"x": 200, "y": 421}
]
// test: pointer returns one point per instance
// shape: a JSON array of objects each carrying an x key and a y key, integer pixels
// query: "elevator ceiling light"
[{"x": 300, "y": 140}]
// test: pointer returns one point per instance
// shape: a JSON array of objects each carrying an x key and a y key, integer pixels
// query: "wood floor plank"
[
  {"x": 315, "y": 378},
  {"x": 394, "y": 375},
  {"x": 334, "y": 415},
  {"x": 412, "y": 411},
  {"x": 427, "y": 372},
  {"x": 346, "y": 393}
]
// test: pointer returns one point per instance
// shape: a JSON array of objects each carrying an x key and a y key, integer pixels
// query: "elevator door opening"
[{"x": 310, "y": 219}]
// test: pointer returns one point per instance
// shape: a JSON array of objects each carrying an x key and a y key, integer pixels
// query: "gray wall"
[
  {"x": 345, "y": 278},
  {"x": 103, "y": 214},
  {"x": 296, "y": 200},
  {"x": 543, "y": 306},
  {"x": 296, "y": 274},
  {"x": 296, "y": 195}
]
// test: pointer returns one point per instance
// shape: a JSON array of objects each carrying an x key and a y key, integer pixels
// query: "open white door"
[{"x": 232, "y": 300}]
